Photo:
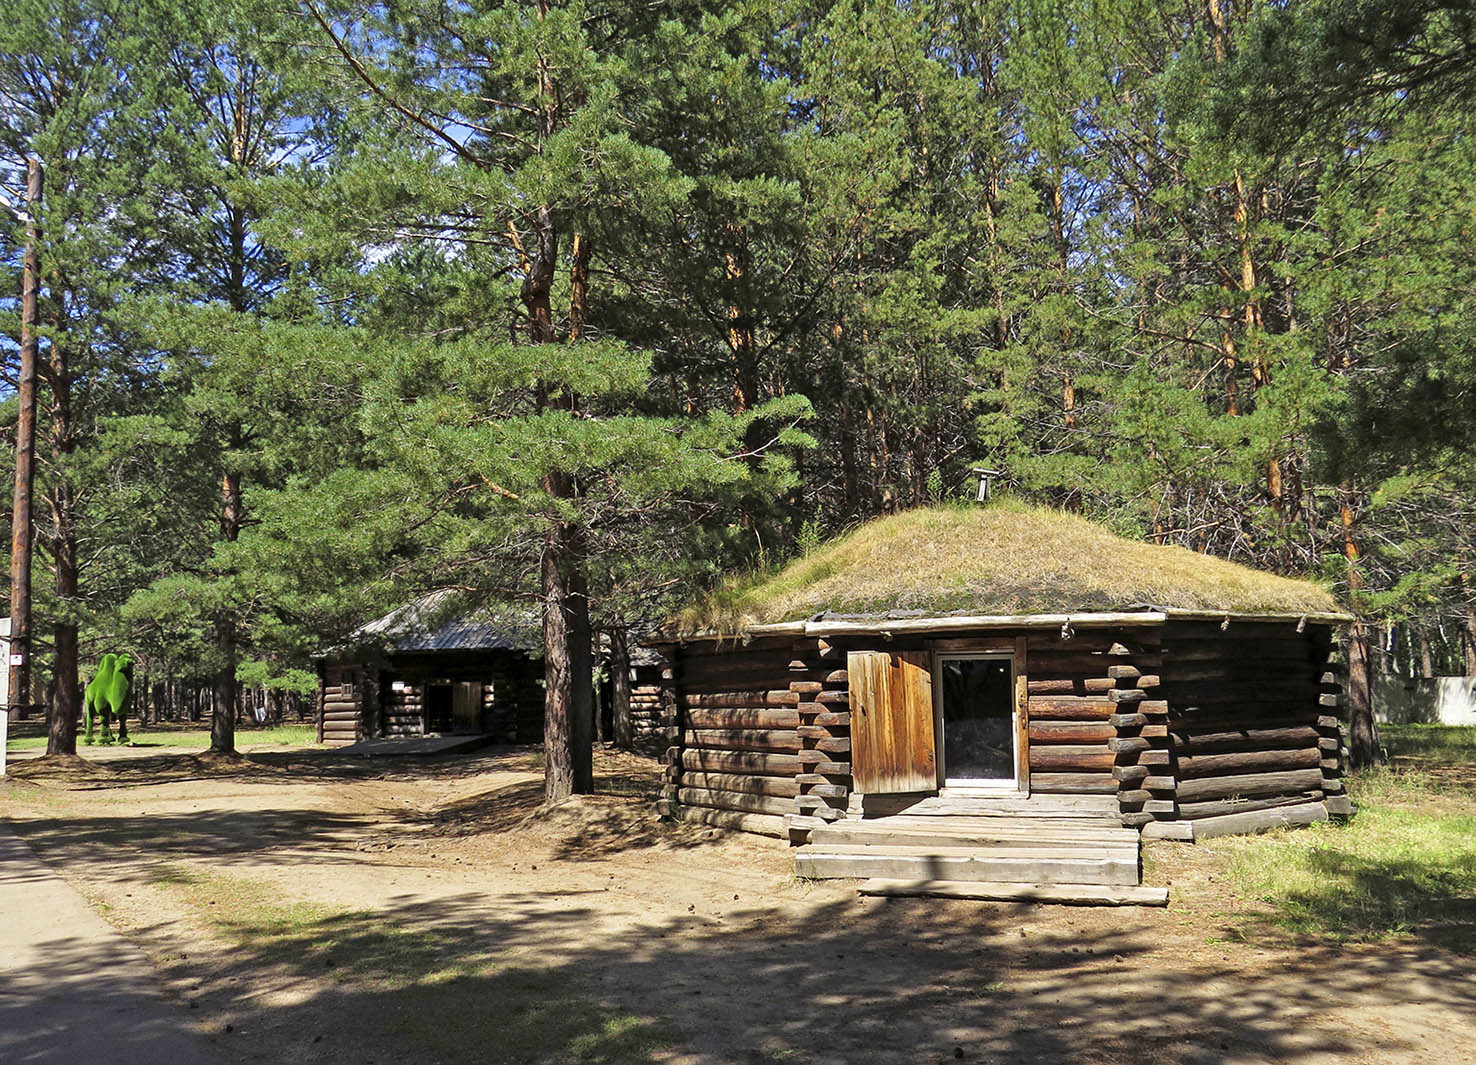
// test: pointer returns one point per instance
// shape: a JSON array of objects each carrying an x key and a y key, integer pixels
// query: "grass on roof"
[{"x": 1004, "y": 558}]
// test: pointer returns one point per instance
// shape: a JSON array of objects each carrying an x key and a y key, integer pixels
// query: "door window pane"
[{"x": 978, "y": 719}]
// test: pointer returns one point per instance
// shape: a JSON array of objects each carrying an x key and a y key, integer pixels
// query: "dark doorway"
[
  {"x": 438, "y": 708},
  {"x": 977, "y": 716}
]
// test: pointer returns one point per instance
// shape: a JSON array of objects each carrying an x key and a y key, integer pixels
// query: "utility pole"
[{"x": 23, "y": 529}]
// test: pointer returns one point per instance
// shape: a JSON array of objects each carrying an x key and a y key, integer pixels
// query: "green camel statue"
[{"x": 106, "y": 697}]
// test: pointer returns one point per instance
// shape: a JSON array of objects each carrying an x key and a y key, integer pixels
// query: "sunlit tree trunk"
[
  {"x": 621, "y": 726},
  {"x": 67, "y": 702}
]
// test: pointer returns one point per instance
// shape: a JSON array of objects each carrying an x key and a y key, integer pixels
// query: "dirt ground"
[{"x": 304, "y": 906}]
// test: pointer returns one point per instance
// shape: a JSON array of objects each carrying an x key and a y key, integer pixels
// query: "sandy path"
[{"x": 419, "y": 913}]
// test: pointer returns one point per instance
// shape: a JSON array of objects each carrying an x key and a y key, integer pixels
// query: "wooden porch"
[{"x": 1057, "y": 848}]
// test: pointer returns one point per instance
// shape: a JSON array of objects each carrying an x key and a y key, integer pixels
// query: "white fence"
[{"x": 1428, "y": 700}]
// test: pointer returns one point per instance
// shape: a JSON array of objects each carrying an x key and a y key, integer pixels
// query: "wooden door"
[
  {"x": 892, "y": 744},
  {"x": 466, "y": 707}
]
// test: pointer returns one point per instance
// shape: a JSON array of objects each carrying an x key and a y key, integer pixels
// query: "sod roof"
[{"x": 1006, "y": 558}]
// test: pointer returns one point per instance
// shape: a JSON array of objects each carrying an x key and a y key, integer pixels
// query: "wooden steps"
[
  {"x": 1080, "y": 894},
  {"x": 966, "y": 832},
  {"x": 1054, "y": 865},
  {"x": 997, "y": 847}
]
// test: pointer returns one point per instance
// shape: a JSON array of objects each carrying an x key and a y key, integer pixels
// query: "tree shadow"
[
  {"x": 556, "y": 975},
  {"x": 222, "y": 836},
  {"x": 308, "y": 763},
  {"x": 540, "y": 977},
  {"x": 618, "y": 818}
]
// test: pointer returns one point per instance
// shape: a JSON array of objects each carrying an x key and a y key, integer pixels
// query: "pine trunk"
[
  {"x": 226, "y": 689},
  {"x": 741, "y": 339},
  {"x": 1470, "y": 642},
  {"x": 620, "y": 690},
  {"x": 66, "y": 705},
  {"x": 1362, "y": 728},
  {"x": 23, "y": 529},
  {"x": 558, "y": 716},
  {"x": 581, "y": 672},
  {"x": 1425, "y": 651},
  {"x": 579, "y": 253}
]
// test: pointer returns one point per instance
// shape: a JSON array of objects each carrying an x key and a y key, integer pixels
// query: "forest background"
[{"x": 578, "y": 307}]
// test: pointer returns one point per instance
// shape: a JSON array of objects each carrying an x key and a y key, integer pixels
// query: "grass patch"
[
  {"x": 525, "y": 1015},
  {"x": 25, "y": 743},
  {"x": 282, "y": 735},
  {"x": 1404, "y": 866},
  {"x": 1442, "y": 744},
  {"x": 454, "y": 997},
  {"x": 1006, "y": 558},
  {"x": 358, "y": 945}
]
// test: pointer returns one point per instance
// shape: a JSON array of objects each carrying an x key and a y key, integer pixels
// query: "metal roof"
[{"x": 433, "y": 623}]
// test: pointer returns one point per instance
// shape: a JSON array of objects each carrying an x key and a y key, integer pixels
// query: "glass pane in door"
[{"x": 978, "y": 720}]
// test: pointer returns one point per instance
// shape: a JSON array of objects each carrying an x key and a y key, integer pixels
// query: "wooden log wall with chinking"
[
  {"x": 404, "y": 707},
  {"x": 513, "y": 700},
  {"x": 1093, "y": 728},
  {"x": 1331, "y": 741},
  {"x": 819, "y": 680},
  {"x": 341, "y": 705},
  {"x": 1195, "y": 727},
  {"x": 737, "y": 757},
  {"x": 1253, "y": 732},
  {"x": 648, "y": 723},
  {"x": 509, "y": 696}
]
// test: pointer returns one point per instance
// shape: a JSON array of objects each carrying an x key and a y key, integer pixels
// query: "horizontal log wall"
[
  {"x": 819, "y": 682},
  {"x": 1251, "y": 722},
  {"x": 1078, "y": 690},
  {"x": 513, "y": 699},
  {"x": 403, "y": 711},
  {"x": 737, "y": 752},
  {"x": 340, "y": 705},
  {"x": 511, "y": 695},
  {"x": 648, "y": 723}
]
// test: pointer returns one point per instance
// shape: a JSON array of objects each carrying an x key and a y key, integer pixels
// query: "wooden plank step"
[
  {"x": 1082, "y": 824},
  {"x": 1068, "y": 824},
  {"x": 926, "y": 809},
  {"x": 965, "y": 864},
  {"x": 1003, "y": 824},
  {"x": 884, "y": 831},
  {"x": 1036, "y": 809},
  {"x": 953, "y": 847},
  {"x": 840, "y": 836},
  {"x": 1077, "y": 894}
]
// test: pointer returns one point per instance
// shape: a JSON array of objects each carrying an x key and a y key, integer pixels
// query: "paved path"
[{"x": 73, "y": 991}]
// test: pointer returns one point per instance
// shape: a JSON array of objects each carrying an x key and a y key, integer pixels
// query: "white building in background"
[{"x": 1426, "y": 700}]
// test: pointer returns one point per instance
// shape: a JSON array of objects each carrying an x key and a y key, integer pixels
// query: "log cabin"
[
  {"x": 998, "y": 702},
  {"x": 424, "y": 670},
  {"x": 649, "y": 681}
]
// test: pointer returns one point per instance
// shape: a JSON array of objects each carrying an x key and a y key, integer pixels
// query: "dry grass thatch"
[{"x": 1006, "y": 558}]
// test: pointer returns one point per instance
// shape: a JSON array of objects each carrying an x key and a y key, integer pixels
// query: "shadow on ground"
[
  {"x": 549, "y": 976},
  {"x": 535, "y": 976},
  {"x": 617, "y": 818}
]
